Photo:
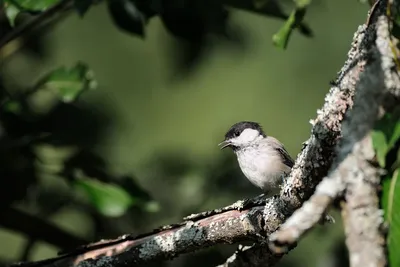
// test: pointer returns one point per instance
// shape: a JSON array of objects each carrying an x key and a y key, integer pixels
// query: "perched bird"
[{"x": 262, "y": 159}]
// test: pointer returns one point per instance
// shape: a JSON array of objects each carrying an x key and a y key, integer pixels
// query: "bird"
[{"x": 263, "y": 159}]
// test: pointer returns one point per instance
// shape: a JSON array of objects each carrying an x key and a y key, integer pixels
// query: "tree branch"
[
  {"x": 222, "y": 226},
  {"x": 332, "y": 186},
  {"x": 212, "y": 228},
  {"x": 326, "y": 133},
  {"x": 314, "y": 161},
  {"x": 379, "y": 93},
  {"x": 353, "y": 171}
]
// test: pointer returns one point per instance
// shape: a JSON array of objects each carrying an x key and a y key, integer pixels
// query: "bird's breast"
[{"x": 263, "y": 169}]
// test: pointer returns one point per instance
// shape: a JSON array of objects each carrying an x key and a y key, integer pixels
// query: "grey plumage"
[{"x": 263, "y": 159}]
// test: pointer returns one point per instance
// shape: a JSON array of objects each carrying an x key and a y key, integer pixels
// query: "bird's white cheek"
[{"x": 248, "y": 135}]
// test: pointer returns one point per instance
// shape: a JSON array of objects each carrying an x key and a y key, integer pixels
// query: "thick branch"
[
  {"x": 228, "y": 226},
  {"x": 379, "y": 86},
  {"x": 316, "y": 158},
  {"x": 361, "y": 214},
  {"x": 332, "y": 186}
]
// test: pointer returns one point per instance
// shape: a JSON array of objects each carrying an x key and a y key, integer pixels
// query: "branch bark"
[
  {"x": 332, "y": 186},
  {"x": 314, "y": 161},
  {"x": 227, "y": 225},
  {"x": 352, "y": 169},
  {"x": 378, "y": 91}
]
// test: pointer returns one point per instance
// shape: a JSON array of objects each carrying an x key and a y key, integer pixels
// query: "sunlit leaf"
[
  {"x": 11, "y": 12},
  {"x": 384, "y": 136},
  {"x": 109, "y": 200},
  {"x": 69, "y": 83},
  {"x": 281, "y": 38},
  {"x": 33, "y": 5},
  {"x": 395, "y": 135},
  {"x": 391, "y": 207},
  {"x": 380, "y": 145},
  {"x": 14, "y": 7}
]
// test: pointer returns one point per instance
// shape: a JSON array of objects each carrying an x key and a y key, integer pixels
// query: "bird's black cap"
[{"x": 239, "y": 127}]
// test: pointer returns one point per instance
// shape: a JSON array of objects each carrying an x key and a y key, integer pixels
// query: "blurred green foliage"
[
  {"x": 158, "y": 124},
  {"x": 385, "y": 136},
  {"x": 14, "y": 7},
  {"x": 391, "y": 204},
  {"x": 386, "y": 142},
  {"x": 281, "y": 38}
]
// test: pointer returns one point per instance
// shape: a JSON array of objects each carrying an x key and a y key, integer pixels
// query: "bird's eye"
[{"x": 237, "y": 133}]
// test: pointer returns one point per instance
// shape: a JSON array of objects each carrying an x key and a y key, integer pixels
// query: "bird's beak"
[{"x": 225, "y": 144}]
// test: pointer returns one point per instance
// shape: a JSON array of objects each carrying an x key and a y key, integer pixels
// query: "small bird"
[{"x": 262, "y": 159}]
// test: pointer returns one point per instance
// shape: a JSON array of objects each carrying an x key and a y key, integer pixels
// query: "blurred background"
[{"x": 153, "y": 124}]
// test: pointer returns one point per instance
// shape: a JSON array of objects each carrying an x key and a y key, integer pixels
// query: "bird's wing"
[
  {"x": 285, "y": 156},
  {"x": 287, "y": 159}
]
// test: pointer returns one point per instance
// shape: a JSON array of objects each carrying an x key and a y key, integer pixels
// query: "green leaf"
[
  {"x": 380, "y": 145},
  {"x": 69, "y": 84},
  {"x": 281, "y": 38},
  {"x": 384, "y": 136},
  {"x": 32, "y": 5},
  {"x": 14, "y": 7},
  {"x": 11, "y": 12},
  {"x": 395, "y": 135},
  {"x": 391, "y": 207},
  {"x": 110, "y": 200}
]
